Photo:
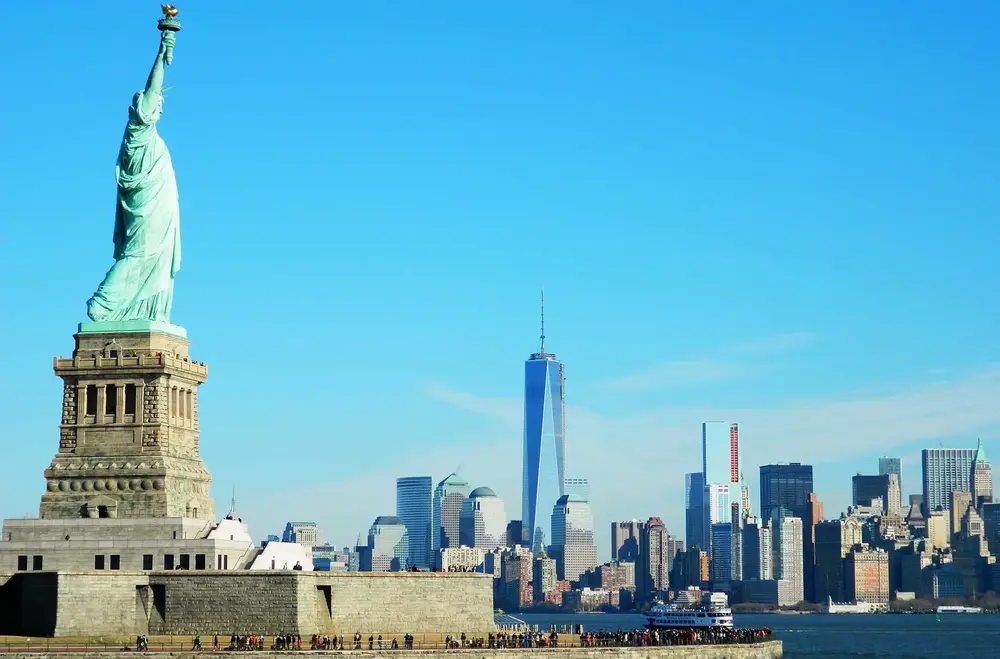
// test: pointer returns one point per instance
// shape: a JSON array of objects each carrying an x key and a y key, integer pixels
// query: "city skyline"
[{"x": 559, "y": 170}]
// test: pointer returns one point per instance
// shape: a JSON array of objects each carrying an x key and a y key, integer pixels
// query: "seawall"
[
  {"x": 121, "y": 603},
  {"x": 767, "y": 650}
]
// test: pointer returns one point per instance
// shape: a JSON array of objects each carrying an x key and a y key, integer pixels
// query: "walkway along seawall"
[{"x": 767, "y": 650}]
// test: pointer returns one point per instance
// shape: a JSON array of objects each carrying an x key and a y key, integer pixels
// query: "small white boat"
[
  {"x": 959, "y": 609},
  {"x": 712, "y": 611}
]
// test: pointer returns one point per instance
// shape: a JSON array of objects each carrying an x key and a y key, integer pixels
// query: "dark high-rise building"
[
  {"x": 544, "y": 467},
  {"x": 991, "y": 528},
  {"x": 694, "y": 507},
  {"x": 788, "y": 486},
  {"x": 514, "y": 535},
  {"x": 865, "y": 489},
  {"x": 414, "y": 509},
  {"x": 785, "y": 485},
  {"x": 834, "y": 540}
]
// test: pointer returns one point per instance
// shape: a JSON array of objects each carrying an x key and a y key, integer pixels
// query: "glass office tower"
[
  {"x": 544, "y": 467},
  {"x": 785, "y": 485},
  {"x": 413, "y": 507},
  {"x": 694, "y": 506}
]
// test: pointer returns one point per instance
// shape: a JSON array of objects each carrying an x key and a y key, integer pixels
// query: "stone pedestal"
[{"x": 128, "y": 444}]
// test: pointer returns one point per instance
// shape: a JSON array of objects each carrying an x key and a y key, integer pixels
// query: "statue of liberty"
[{"x": 147, "y": 234}]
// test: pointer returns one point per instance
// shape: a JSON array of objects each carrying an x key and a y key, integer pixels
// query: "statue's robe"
[{"x": 147, "y": 233}]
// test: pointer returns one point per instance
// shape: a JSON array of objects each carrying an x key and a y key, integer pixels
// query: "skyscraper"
[
  {"x": 449, "y": 498},
  {"x": 306, "y": 534},
  {"x": 945, "y": 470},
  {"x": 887, "y": 465},
  {"x": 719, "y": 500},
  {"x": 415, "y": 510},
  {"x": 834, "y": 540},
  {"x": 543, "y": 577},
  {"x": 514, "y": 535},
  {"x": 720, "y": 452},
  {"x": 573, "y": 545},
  {"x": 653, "y": 571},
  {"x": 720, "y": 470},
  {"x": 387, "y": 545},
  {"x": 788, "y": 486},
  {"x": 694, "y": 506},
  {"x": 720, "y": 566},
  {"x": 483, "y": 522},
  {"x": 625, "y": 541},
  {"x": 544, "y": 466},
  {"x": 982, "y": 478},
  {"x": 785, "y": 485},
  {"x": 756, "y": 555},
  {"x": 736, "y": 554},
  {"x": 866, "y": 489},
  {"x": 788, "y": 557}
]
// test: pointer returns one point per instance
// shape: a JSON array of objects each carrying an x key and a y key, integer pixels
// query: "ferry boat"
[
  {"x": 959, "y": 609},
  {"x": 712, "y": 611}
]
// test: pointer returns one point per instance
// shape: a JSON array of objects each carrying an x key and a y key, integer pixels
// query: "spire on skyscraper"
[
  {"x": 541, "y": 348},
  {"x": 980, "y": 453}
]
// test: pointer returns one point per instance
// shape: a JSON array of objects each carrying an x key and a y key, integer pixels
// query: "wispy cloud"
[
  {"x": 773, "y": 345},
  {"x": 507, "y": 410},
  {"x": 736, "y": 362},
  {"x": 682, "y": 374}
]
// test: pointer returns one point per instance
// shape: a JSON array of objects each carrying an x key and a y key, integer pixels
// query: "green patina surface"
[
  {"x": 147, "y": 238},
  {"x": 127, "y": 326}
]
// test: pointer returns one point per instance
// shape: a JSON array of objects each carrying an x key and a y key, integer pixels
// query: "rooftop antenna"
[{"x": 542, "y": 347}]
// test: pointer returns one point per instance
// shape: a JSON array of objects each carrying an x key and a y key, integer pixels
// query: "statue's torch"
[{"x": 169, "y": 25}]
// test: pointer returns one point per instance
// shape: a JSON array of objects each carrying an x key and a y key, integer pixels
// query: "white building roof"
[{"x": 283, "y": 556}]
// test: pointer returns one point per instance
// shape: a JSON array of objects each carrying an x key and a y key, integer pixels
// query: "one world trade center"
[{"x": 543, "y": 480}]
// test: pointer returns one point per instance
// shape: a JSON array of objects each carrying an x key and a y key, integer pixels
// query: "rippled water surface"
[{"x": 843, "y": 636}]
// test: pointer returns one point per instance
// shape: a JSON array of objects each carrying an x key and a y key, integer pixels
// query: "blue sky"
[{"x": 782, "y": 213}]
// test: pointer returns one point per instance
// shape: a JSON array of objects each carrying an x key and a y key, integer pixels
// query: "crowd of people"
[
  {"x": 494, "y": 641},
  {"x": 645, "y": 637}
]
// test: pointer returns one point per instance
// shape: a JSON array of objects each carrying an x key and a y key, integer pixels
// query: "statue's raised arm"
[
  {"x": 169, "y": 26},
  {"x": 147, "y": 239}
]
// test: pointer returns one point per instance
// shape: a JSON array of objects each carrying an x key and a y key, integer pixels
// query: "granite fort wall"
[
  {"x": 769, "y": 650},
  {"x": 414, "y": 602},
  {"x": 114, "y": 603},
  {"x": 110, "y": 601}
]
